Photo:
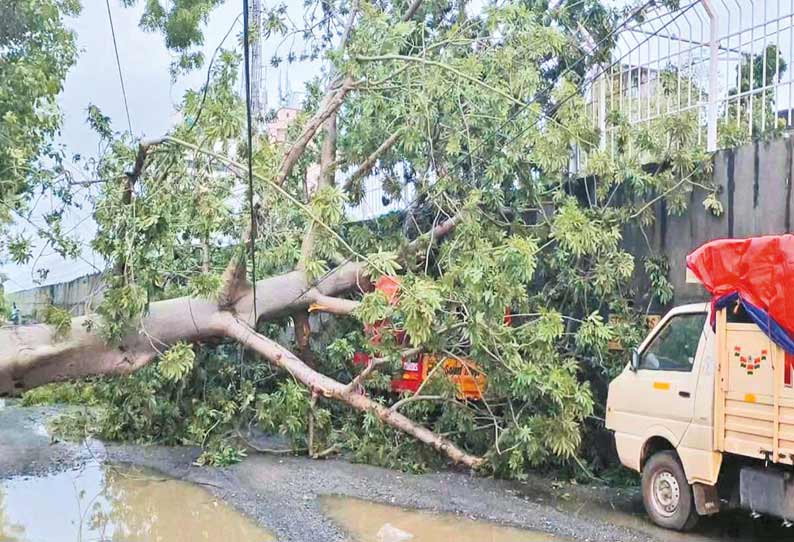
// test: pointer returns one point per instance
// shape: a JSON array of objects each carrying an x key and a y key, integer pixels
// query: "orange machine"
[
  {"x": 469, "y": 379},
  {"x": 464, "y": 373}
]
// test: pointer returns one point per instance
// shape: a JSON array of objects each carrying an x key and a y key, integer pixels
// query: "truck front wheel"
[{"x": 666, "y": 494}]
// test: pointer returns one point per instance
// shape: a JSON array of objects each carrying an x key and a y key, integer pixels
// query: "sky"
[{"x": 152, "y": 99}]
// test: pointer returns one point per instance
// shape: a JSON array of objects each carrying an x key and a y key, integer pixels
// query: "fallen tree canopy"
[
  {"x": 474, "y": 114},
  {"x": 37, "y": 354}
]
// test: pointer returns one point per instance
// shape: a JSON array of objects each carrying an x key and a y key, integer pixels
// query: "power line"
[
  {"x": 118, "y": 65},
  {"x": 246, "y": 58}
]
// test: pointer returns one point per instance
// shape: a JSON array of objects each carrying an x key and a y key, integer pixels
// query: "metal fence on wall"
[{"x": 727, "y": 63}]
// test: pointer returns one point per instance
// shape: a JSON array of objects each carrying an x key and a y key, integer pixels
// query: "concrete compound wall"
[
  {"x": 756, "y": 196},
  {"x": 78, "y": 296}
]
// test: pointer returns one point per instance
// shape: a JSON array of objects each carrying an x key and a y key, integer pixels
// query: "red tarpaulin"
[{"x": 760, "y": 270}]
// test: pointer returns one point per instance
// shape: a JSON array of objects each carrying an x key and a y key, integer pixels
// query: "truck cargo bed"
[{"x": 754, "y": 402}]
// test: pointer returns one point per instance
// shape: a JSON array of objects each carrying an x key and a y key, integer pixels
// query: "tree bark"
[
  {"x": 31, "y": 355},
  {"x": 328, "y": 153},
  {"x": 327, "y": 174},
  {"x": 412, "y": 9},
  {"x": 303, "y": 335}
]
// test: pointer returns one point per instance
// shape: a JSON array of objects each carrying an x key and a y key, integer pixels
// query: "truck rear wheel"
[{"x": 666, "y": 494}]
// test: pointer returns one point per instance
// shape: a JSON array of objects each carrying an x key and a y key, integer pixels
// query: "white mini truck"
[{"x": 705, "y": 409}]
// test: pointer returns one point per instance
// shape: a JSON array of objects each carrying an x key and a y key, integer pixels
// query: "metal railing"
[{"x": 726, "y": 63}]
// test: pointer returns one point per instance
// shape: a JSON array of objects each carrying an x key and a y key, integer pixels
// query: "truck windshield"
[{"x": 674, "y": 347}]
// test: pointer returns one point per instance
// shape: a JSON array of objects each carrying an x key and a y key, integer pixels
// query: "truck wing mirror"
[{"x": 635, "y": 359}]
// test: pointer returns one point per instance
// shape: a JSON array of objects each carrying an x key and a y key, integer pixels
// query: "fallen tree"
[
  {"x": 475, "y": 115},
  {"x": 33, "y": 355}
]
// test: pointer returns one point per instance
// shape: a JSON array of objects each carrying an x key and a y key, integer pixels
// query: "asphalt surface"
[{"x": 282, "y": 493}]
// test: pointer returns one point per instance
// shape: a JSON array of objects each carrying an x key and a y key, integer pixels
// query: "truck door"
[{"x": 668, "y": 372}]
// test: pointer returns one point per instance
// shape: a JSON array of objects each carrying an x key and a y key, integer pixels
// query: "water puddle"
[
  {"x": 371, "y": 522},
  {"x": 111, "y": 503}
]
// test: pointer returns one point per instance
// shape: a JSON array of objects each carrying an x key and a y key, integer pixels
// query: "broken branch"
[
  {"x": 330, "y": 388},
  {"x": 332, "y": 102},
  {"x": 333, "y": 305},
  {"x": 366, "y": 166}
]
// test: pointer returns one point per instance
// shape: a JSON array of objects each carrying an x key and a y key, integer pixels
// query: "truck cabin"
[{"x": 705, "y": 408}]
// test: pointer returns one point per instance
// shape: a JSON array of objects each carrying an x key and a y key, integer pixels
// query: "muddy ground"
[{"x": 282, "y": 493}]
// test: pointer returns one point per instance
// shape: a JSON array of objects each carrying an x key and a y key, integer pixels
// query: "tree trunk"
[{"x": 31, "y": 355}]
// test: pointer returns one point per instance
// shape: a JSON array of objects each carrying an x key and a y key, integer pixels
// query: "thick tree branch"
[
  {"x": 438, "y": 232},
  {"x": 140, "y": 158},
  {"x": 332, "y": 389},
  {"x": 349, "y": 26},
  {"x": 234, "y": 276},
  {"x": 331, "y": 104},
  {"x": 412, "y": 9},
  {"x": 328, "y": 154},
  {"x": 366, "y": 166},
  {"x": 327, "y": 174},
  {"x": 131, "y": 177}
]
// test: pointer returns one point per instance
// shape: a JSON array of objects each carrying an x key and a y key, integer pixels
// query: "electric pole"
[{"x": 258, "y": 104}]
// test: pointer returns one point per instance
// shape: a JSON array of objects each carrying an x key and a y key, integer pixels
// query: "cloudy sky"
[{"x": 152, "y": 99}]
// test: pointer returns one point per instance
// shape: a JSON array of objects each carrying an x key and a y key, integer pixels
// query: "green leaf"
[
  {"x": 420, "y": 301},
  {"x": 177, "y": 361},
  {"x": 60, "y": 320}
]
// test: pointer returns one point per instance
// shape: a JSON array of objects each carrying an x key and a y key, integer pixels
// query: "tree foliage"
[
  {"x": 36, "y": 51},
  {"x": 486, "y": 107}
]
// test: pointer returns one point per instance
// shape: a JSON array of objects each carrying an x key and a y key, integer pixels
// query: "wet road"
[
  {"x": 106, "y": 502},
  {"x": 294, "y": 498},
  {"x": 623, "y": 508}
]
